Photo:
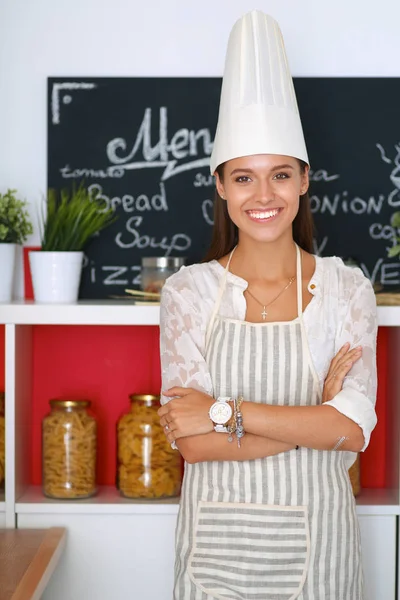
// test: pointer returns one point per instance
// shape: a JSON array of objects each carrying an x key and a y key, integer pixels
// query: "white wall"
[{"x": 40, "y": 38}]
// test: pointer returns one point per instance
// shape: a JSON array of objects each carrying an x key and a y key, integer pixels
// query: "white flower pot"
[
  {"x": 7, "y": 266},
  {"x": 55, "y": 276}
]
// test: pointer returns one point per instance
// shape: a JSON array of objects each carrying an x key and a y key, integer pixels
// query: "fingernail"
[{"x": 348, "y": 364}]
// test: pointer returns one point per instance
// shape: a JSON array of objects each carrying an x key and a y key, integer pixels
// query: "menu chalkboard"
[{"x": 142, "y": 146}]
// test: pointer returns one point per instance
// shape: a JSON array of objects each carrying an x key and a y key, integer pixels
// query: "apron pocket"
[{"x": 250, "y": 551}]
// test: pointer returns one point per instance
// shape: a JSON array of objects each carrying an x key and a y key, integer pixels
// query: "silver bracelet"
[
  {"x": 340, "y": 442},
  {"x": 239, "y": 422}
]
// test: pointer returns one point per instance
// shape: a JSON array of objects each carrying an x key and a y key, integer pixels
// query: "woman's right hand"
[{"x": 339, "y": 367}]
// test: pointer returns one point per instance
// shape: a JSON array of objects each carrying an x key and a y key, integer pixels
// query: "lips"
[{"x": 263, "y": 215}]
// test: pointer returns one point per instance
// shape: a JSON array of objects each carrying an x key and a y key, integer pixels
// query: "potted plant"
[
  {"x": 71, "y": 219},
  {"x": 15, "y": 226}
]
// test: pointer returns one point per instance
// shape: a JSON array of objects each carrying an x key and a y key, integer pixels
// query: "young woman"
[{"x": 269, "y": 382}]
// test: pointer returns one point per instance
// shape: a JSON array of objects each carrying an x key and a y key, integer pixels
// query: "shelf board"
[
  {"x": 84, "y": 312},
  {"x": 378, "y": 502},
  {"x": 107, "y": 501},
  {"x": 114, "y": 312},
  {"x": 389, "y": 316}
]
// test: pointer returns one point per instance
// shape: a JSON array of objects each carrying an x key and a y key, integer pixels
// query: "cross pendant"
[{"x": 264, "y": 314}]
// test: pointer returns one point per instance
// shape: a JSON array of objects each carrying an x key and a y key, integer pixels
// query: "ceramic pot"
[
  {"x": 55, "y": 276},
  {"x": 7, "y": 268}
]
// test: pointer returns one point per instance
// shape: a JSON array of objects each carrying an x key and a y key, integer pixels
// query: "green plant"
[
  {"x": 395, "y": 223},
  {"x": 72, "y": 219},
  {"x": 15, "y": 222}
]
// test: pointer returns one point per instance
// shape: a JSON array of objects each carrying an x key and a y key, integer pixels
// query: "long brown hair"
[{"x": 225, "y": 234}]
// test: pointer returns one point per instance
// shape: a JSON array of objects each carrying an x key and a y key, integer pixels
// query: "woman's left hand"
[{"x": 186, "y": 414}]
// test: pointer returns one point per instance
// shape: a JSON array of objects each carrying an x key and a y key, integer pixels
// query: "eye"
[
  {"x": 281, "y": 175},
  {"x": 243, "y": 179}
]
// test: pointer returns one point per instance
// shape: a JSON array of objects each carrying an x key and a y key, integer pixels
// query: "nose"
[{"x": 265, "y": 192}]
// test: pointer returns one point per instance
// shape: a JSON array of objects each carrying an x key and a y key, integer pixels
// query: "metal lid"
[
  {"x": 147, "y": 398},
  {"x": 163, "y": 262},
  {"x": 69, "y": 403}
]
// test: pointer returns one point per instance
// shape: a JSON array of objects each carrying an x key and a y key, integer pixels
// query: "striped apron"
[{"x": 275, "y": 528}]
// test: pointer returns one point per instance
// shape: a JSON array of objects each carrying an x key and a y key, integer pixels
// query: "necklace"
[{"x": 264, "y": 312}]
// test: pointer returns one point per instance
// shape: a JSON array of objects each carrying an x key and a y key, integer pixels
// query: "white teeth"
[{"x": 267, "y": 214}]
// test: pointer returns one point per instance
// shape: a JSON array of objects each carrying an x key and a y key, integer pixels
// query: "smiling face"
[{"x": 262, "y": 193}]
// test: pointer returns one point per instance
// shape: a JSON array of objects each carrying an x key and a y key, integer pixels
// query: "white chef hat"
[{"x": 258, "y": 111}]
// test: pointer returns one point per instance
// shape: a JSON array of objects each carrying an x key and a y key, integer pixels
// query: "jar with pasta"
[
  {"x": 147, "y": 465},
  {"x": 2, "y": 442},
  {"x": 69, "y": 447}
]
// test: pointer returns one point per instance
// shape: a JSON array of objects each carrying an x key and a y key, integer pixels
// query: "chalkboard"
[{"x": 143, "y": 145}]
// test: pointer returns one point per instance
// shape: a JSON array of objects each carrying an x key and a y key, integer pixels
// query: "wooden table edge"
[{"x": 37, "y": 575}]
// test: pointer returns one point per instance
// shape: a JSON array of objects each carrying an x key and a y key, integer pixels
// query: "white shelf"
[
  {"x": 114, "y": 312},
  {"x": 84, "y": 312},
  {"x": 389, "y": 316},
  {"x": 378, "y": 502},
  {"x": 107, "y": 501}
]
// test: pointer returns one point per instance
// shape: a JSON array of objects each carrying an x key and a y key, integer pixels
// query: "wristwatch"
[{"x": 220, "y": 413}]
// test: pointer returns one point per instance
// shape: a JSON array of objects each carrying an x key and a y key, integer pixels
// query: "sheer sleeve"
[
  {"x": 357, "y": 398},
  {"x": 182, "y": 338}
]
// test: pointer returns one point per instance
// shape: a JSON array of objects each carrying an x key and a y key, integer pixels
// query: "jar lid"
[
  {"x": 163, "y": 262},
  {"x": 148, "y": 398},
  {"x": 70, "y": 403}
]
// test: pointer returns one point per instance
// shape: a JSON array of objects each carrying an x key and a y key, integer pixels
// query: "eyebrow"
[{"x": 277, "y": 168}]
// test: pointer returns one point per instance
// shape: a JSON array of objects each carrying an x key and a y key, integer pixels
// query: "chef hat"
[{"x": 258, "y": 111}]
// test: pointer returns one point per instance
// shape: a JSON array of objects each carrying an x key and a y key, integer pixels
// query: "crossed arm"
[{"x": 270, "y": 429}]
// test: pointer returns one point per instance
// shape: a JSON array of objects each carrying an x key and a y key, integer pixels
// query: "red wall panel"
[
  {"x": 107, "y": 363},
  {"x": 102, "y": 364}
]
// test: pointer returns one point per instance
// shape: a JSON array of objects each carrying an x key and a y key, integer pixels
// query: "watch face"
[{"x": 220, "y": 412}]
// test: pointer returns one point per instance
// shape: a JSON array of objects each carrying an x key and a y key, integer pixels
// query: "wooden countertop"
[{"x": 28, "y": 558}]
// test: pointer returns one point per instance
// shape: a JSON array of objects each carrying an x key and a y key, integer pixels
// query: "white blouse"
[{"x": 343, "y": 309}]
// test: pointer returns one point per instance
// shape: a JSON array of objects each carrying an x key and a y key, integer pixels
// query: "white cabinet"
[
  {"x": 378, "y": 539},
  {"x": 120, "y": 556},
  {"x": 113, "y": 556}
]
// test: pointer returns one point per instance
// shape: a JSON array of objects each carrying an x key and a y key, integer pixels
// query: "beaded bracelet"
[
  {"x": 239, "y": 421},
  {"x": 231, "y": 427}
]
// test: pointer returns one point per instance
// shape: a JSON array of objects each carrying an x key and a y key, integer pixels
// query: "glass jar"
[
  {"x": 2, "y": 441},
  {"x": 155, "y": 270},
  {"x": 147, "y": 465},
  {"x": 69, "y": 445}
]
